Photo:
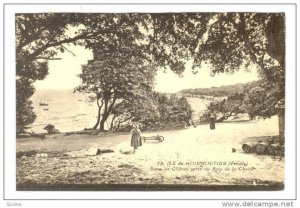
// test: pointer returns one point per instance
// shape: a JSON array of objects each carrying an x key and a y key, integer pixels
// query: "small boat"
[
  {"x": 43, "y": 103},
  {"x": 45, "y": 109}
]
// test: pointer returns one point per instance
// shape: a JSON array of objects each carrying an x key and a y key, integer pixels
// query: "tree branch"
[
  {"x": 46, "y": 58},
  {"x": 32, "y": 56},
  {"x": 112, "y": 104},
  {"x": 68, "y": 50}
]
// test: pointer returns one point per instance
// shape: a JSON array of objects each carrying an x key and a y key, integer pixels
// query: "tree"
[
  {"x": 143, "y": 109},
  {"x": 167, "y": 39},
  {"x": 242, "y": 39},
  {"x": 24, "y": 113},
  {"x": 172, "y": 112},
  {"x": 231, "y": 106},
  {"x": 158, "y": 39},
  {"x": 120, "y": 75},
  {"x": 115, "y": 83},
  {"x": 174, "y": 37},
  {"x": 39, "y": 37}
]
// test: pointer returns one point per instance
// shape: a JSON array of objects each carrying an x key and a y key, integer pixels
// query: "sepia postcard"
[{"x": 179, "y": 101}]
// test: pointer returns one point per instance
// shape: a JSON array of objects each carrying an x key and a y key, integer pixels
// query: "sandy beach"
[{"x": 195, "y": 156}]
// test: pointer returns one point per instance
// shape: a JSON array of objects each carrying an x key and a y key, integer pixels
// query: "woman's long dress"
[
  {"x": 212, "y": 123},
  {"x": 136, "y": 140}
]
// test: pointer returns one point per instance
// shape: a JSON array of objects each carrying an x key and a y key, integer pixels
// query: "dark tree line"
[{"x": 221, "y": 91}]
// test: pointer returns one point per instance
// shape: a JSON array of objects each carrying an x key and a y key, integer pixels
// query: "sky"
[{"x": 63, "y": 74}]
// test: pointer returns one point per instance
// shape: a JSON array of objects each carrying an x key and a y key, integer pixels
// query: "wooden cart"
[{"x": 153, "y": 138}]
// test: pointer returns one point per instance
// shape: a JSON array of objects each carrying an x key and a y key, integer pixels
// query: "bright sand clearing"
[{"x": 188, "y": 156}]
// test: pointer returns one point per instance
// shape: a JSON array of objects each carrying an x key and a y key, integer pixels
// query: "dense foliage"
[
  {"x": 241, "y": 39},
  {"x": 117, "y": 87},
  {"x": 172, "y": 112},
  {"x": 230, "y": 106},
  {"x": 168, "y": 112},
  {"x": 24, "y": 113}
]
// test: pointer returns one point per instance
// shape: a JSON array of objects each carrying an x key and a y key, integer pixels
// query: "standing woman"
[
  {"x": 212, "y": 122},
  {"x": 136, "y": 140}
]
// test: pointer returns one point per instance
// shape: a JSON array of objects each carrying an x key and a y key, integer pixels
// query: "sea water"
[{"x": 66, "y": 110}]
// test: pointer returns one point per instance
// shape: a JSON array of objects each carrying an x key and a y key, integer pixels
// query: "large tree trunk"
[
  {"x": 112, "y": 122},
  {"x": 281, "y": 122},
  {"x": 102, "y": 122},
  {"x": 107, "y": 110},
  {"x": 98, "y": 118},
  {"x": 105, "y": 115},
  {"x": 99, "y": 113}
]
